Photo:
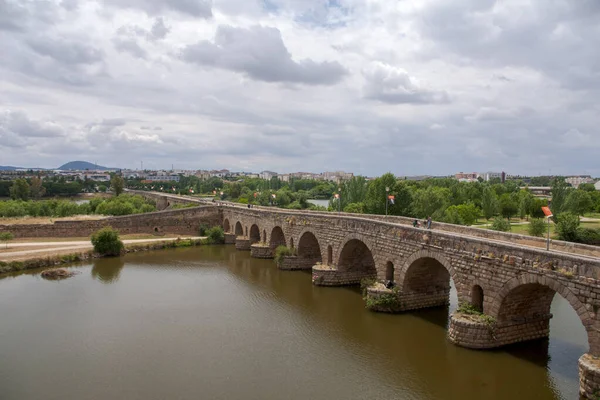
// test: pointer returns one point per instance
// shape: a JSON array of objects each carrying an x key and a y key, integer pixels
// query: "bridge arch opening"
[
  {"x": 264, "y": 236},
  {"x": 543, "y": 312},
  {"x": 239, "y": 230},
  {"x": 292, "y": 243},
  {"x": 329, "y": 255},
  {"x": 277, "y": 238},
  {"x": 477, "y": 298},
  {"x": 309, "y": 250},
  {"x": 356, "y": 258},
  {"x": 426, "y": 282},
  {"x": 389, "y": 271},
  {"x": 226, "y": 225},
  {"x": 254, "y": 234},
  {"x": 246, "y": 232}
]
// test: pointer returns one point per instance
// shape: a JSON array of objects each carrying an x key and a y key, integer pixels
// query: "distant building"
[
  {"x": 163, "y": 178},
  {"x": 96, "y": 177},
  {"x": 488, "y": 176},
  {"x": 597, "y": 185},
  {"x": 466, "y": 177},
  {"x": 575, "y": 181},
  {"x": 267, "y": 175}
]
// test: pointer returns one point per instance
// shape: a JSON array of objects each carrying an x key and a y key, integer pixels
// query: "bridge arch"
[
  {"x": 425, "y": 280},
  {"x": 239, "y": 230},
  {"x": 277, "y": 238},
  {"x": 357, "y": 258},
  {"x": 309, "y": 249},
  {"x": 528, "y": 297},
  {"x": 254, "y": 234},
  {"x": 226, "y": 225}
]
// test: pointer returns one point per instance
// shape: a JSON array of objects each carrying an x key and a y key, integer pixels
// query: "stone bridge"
[
  {"x": 504, "y": 282},
  {"x": 508, "y": 287}
]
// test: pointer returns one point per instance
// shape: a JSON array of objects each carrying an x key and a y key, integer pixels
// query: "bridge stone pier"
[{"x": 507, "y": 287}]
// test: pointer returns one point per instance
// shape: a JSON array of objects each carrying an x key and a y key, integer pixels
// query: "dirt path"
[{"x": 59, "y": 248}]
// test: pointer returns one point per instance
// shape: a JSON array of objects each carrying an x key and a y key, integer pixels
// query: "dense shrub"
[
  {"x": 106, "y": 242},
  {"x": 537, "y": 227},
  {"x": 355, "y": 208},
  {"x": 203, "y": 229},
  {"x": 588, "y": 236},
  {"x": 566, "y": 226},
  {"x": 500, "y": 224},
  {"x": 216, "y": 235}
]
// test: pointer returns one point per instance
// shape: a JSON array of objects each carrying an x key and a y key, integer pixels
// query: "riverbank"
[{"x": 60, "y": 256}]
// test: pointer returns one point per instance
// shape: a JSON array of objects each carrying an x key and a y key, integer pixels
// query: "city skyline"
[{"x": 362, "y": 86}]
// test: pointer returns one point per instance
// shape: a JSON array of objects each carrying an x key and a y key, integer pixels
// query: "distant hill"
[
  {"x": 7, "y": 168},
  {"x": 82, "y": 166}
]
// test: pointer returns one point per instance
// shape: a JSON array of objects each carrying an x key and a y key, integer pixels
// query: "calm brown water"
[{"x": 212, "y": 323}]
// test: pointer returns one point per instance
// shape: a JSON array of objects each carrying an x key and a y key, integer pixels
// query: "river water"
[{"x": 213, "y": 323}]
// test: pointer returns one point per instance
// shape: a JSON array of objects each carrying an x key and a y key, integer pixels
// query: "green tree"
[
  {"x": 6, "y": 237},
  {"x": 117, "y": 184},
  {"x": 525, "y": 201},
  {"x": 20, "y": 190},
  {"x": 430, "y": 202},
  {"x": 588, "y": 187},
  {"x": 102, "y": 188},
  {"x": 106, "y": 242},
  {"x": 537, "y": 227},
  {"x": 579, "y": 202},
  {"x": 566, "y": 226},
  {"x": 376, "y": 196},
  {"x": 463, "y": 214},
  {"x": 535, "y": 210},
  {"x": 508, "y": 206},
  {"x": 355, "y": 208},
  {"x": 36, "y": 189},
  {"x": 559, "y": 191},
  {"x": 500, "y": 224},
  {"x": 489, "y": 202}
]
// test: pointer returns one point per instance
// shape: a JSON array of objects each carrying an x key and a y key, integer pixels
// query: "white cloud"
[{"x": 362, "y": 85}]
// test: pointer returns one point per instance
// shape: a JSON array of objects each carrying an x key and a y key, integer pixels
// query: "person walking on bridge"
[{"x": 428, "y": 222}]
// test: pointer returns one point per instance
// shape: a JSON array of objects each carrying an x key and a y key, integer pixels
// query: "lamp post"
[
  {"x": 548, "y": 236},
  {"x": 387, "y": 190},
  {"x": 339, "y": 201}
]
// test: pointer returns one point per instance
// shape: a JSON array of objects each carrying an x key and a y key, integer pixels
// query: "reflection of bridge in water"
[{"x": 510, "y": 278}]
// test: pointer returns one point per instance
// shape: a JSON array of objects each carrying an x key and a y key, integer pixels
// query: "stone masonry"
[{"x": 518, "y": 282}]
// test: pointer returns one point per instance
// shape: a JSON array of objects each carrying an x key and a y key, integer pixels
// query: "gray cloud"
[
  {"x": 65, "y": 50},
  {"x": 16, "y": 128},
  {"x": 395, "y": 86},
  {"x": 260, "y": 53},
  {"x": 557, "y": 37},
  {"x": 131, "y": 46},
  {"x": 195, "y": 8},
  {"x": 159, "y": 29}
]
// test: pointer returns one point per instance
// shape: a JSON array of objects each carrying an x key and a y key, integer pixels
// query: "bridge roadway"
[{"x": 510, "y": 279}]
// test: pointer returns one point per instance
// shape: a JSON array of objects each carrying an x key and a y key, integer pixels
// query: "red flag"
[
  {"x": 547, "y": 211},
  {"x": 337, "y": 196}
]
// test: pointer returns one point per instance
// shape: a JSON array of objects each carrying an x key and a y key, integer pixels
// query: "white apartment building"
[{"x": 575, "y": 181}]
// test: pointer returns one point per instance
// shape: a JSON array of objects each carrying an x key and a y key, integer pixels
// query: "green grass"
[
  {"x": 522, "y": 229},
  {"x": 593, "y": 215}
]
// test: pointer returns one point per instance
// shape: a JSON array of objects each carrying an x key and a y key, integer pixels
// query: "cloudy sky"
[{"x": 368, "y": 86}]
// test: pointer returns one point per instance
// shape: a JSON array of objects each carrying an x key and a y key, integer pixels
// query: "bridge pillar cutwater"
[
  {"x": 261, "y": 250},
  {"x": 242, "y": 243},
  {"x": 482, "y": 332},
  {"x": 330, "y": 275},
  {"x": 230, "y": 238},
  {"x": 589, "y": 376},
  {"x": 295, "y": 263},
  {"x": 381, "y": 299}
]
